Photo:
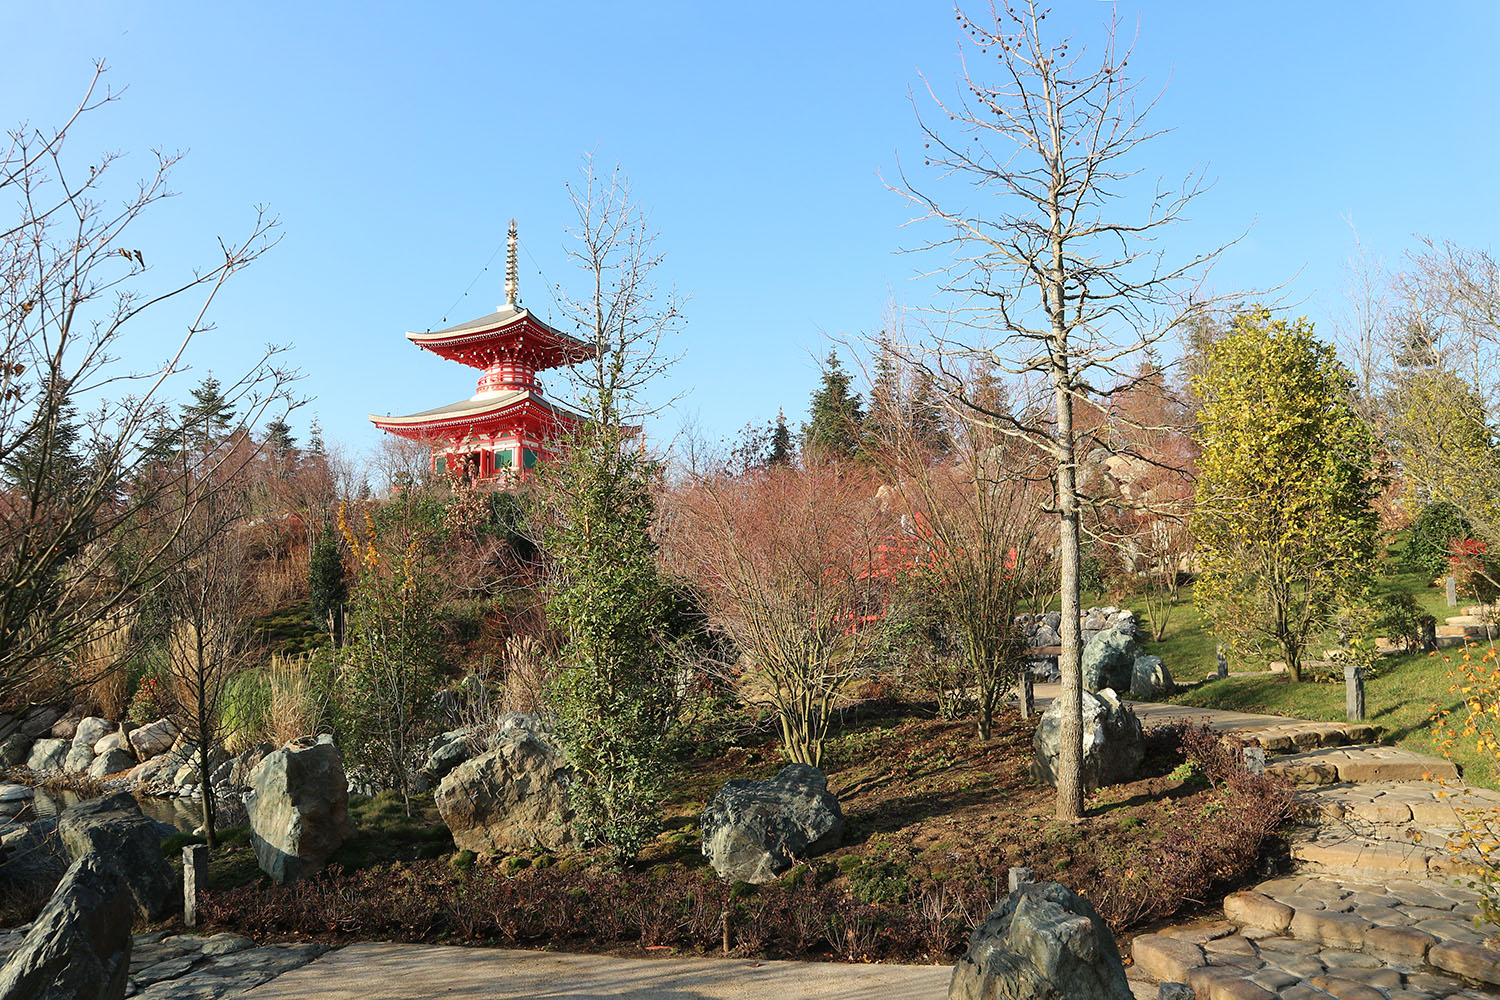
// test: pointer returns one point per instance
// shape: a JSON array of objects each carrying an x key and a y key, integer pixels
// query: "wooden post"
[
  {"x": 1221, "y": 661},
  {"x": 1025, "y": 691},
  {"x": 1354, "y": 692},
  {"x": 724, "y": 920},
  {"x": 194, "y": 874},
  {"x": 1451, "y": 584}
]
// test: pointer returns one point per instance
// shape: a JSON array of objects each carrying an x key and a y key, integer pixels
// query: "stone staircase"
[{"x": 1373, "y": 910}]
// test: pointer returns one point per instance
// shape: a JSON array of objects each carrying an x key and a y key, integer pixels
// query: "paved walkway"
[{"x": 431, "y": 972}]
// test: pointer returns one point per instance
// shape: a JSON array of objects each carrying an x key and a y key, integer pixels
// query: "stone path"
[
  {"x": 427, "y": 972},
  {"x": 1373, "y": 911},
  {"x": 190, "y": 967}
]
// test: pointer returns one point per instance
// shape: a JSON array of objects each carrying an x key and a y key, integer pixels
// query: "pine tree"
[
  {"x": 884, "y": 418},
  {"x": 208, "y": 418},
  {"x": 780, "y": 452},
  {"x": 834, "y": 416},
  {"x": 924, "y": 414},
  {"x": 315, "y": 446},
  {"x": 279, "y": 439}
]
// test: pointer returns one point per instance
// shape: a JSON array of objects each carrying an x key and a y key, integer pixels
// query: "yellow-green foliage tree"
[
  {"x": 1284, "y": 518},
  {"x": 1446, "y": 447}
]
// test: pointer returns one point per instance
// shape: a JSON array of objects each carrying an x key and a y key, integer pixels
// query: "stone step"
[
  {"x": 1427, "y": 813},
  {"x": 1466, "y": 619},
  {"x": 1361, "y": 764},
  {"x": 1306, "y": 937},
  {"x": 1452, "y": 631},
  {"x": 1300, "y": 735}
]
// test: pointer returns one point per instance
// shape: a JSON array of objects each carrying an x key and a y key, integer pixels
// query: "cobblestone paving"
[
  {"x": 189, "y": 967},
  {"x": 1312, "y": 937}
]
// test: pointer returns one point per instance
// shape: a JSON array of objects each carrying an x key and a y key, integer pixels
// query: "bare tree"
[
  {"x": 207, "y": 586},
  {"x": 1070, "y": 289},
  {"x": 789, "y": 564},
  {"x": 83, "y": 529}
]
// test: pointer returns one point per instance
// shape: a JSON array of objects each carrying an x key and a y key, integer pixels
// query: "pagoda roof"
[
  {"x": 475, "y": 341},
  {"x": 479, "y": 409}
]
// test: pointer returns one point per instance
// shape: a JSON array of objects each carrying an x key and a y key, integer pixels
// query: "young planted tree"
[
  {"x": 613, "y": 697},
  {"x": 1055, "y": 276},
  {"x": 1285, "y": 523},
  {"x": 789, "y": 563},
  {"x": 328, "y": 587},
  {"x": 87, "y": 528}
]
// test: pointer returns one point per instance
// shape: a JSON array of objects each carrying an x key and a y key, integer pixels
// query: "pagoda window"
[
  {"x": 528, "y": 458},
  {"x": 502, "y": 458}
]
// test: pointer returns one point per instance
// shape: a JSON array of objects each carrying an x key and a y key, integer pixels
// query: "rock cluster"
[
  {"x": 1042, "y": 942},
  {"x": 298, "y": 804},
  {"x": 756, "y": 830},
  {"x": 1113, "y": 743},
  {"x": 1044, "y": 632},
  {"x": 512, "y": 797}
]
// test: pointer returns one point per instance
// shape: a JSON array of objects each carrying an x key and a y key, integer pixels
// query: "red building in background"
[{"x": 507, "y": 426}]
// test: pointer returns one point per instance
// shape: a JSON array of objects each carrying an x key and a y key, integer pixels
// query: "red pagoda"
[{"x": 507, "y": 427}]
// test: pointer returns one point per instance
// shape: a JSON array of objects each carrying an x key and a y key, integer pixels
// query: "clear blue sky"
[{"x": 394, "y": 141}]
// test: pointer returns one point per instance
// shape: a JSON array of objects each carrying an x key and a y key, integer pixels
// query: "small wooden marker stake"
[
  {"x": 194, "y": 873},
  {"x": 1221, "y": 661},
  {"x": 1026, "y": 693},
  {"x": 1354, "y": 692},
  {"x": 1451, "y": 583}
]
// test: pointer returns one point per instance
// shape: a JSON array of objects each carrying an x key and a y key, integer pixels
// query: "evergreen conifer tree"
[
  {"x": 835, "y": 415},
  {"x": 328, "y": 585},
  {"x": 780, "y": 452}
]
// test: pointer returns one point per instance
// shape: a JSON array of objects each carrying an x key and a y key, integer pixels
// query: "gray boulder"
[
  {"x": 1042, "y": 942},
  {"x": 1150, "y": 678},
  {"x": 91, "y": 729},
  {"x": 514, "y": 797},
  {"x": 115, "y": 827},
  {"x": 117, "y": 740},
  {"x": 39, "y": 721},
  {"x": 32, "y": 858},
  {"x": 1108, "y": 659},
  {"x": 48, "y": 755},
  {"x": 298, "y": 805},
  {"x": 111, "y": 762},
  {"x": 246, "y": 761},
  {"x": 1113, "y": 744},
  {"x": 446, "y": 752},
  {"x": 756, "y": 830},
  {"x": 15, "y": 749},
  {"x": 79, "y": 947},
  {"x": 156, "y": 738},
  {"x": 79, "y": 758}
]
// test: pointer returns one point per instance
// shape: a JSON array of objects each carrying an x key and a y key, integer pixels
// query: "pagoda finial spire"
[{"x": 512, "y": 269}]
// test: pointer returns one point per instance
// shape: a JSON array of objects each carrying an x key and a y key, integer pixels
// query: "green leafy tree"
[
  {"x": 835, "y": 415},
  {"x": 612, "y": 698},
  {"x": 1431, "y": 537},
  {"x": 389, "y": 661},
  {"x": 328, "y": 587},
  {"x": 1285, "y": 521}
]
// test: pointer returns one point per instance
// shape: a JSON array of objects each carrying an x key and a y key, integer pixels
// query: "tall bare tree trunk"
[{"x": 1070, "y": 659}]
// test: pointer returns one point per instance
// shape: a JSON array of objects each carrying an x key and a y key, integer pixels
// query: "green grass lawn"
[{"x": 1401, "y": 698}]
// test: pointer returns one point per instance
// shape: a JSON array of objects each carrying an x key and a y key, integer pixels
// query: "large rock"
[
  {"x": 446, "y": 752},
  {"x": 111, "y": 762},
  {"x": 79, "y": 947},
  {"x": 1113, "y": 744},
  {"x": 15, "y": 749},
  {"x": 756, "y": 830},
  {"x": 1042, "y": 942},
  {"x": 1108, "y": 659},
  {"x": 298, "y": 805},
  {"x": 515, "y": 797},
  {"x": 1150, "y": 679},
  {"x": 115, "y": 827},
  {"x": 40, "y": 720},
  {"x": 246, "y": 761},
  {"x": 32, "y": 858},
  {"x": 48, "y": 755},
  {"x": 91, "y": 730},
  {"x": 117, "y": 740},
  {"x": 79, "y": 759},
  {"x": 156, "y": 738}
]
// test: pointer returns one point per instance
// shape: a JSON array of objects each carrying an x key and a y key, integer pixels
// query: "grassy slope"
[{"x": 1401, "y": 698}]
